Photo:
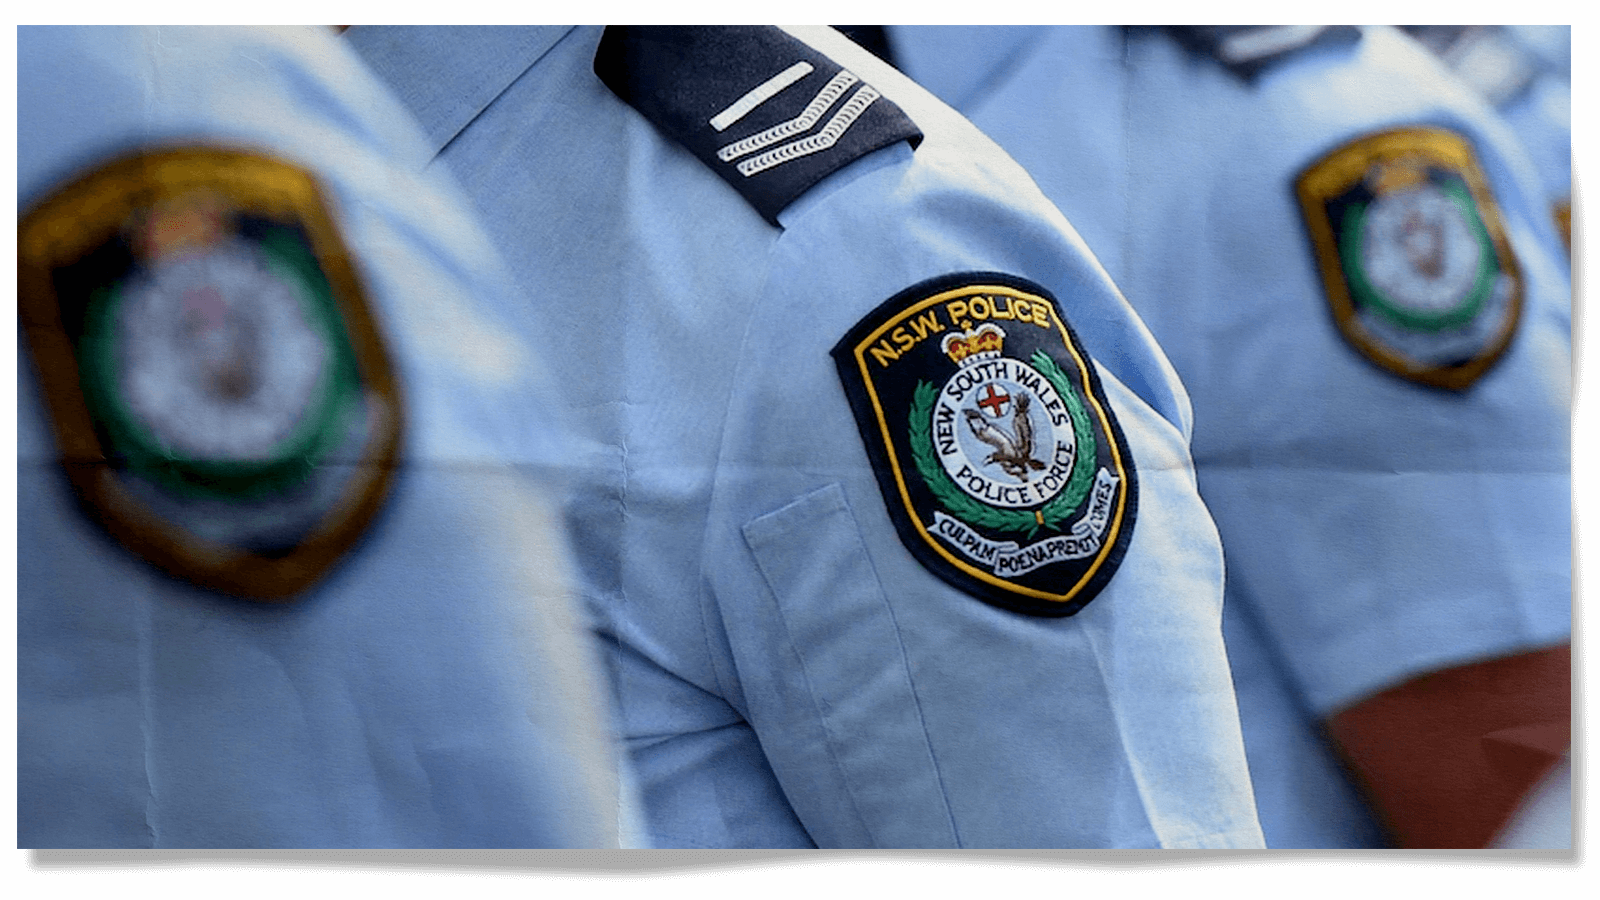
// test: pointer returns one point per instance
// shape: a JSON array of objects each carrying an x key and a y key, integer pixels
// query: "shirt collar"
[{"x": 447, "y": 75}]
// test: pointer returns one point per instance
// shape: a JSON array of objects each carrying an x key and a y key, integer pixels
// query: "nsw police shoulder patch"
[
  {"x": 1000, "y": 460},
  {"x": 1414, "y": 259},
  {"x": 220, "y": 398}
]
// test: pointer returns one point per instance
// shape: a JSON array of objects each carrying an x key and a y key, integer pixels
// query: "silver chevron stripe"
[
  {"x": 825, "y": 98},
  {"x": 822, "y": 140}
]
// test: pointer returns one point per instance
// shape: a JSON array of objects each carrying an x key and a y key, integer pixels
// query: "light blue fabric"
[
  {"x": 436, "y": 688},
  {"x": 1374, "y": 529},
  {"x": 1537, "y": 101},
  {"x": 788, "y": 674}
]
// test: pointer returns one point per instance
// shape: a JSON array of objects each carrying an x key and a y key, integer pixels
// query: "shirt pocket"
[{"x": 854, "y": 666}]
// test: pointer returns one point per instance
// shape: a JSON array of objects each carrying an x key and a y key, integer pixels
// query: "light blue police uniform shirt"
[
  {"x": 1374, "y": 529},
  {"x": 435, "y": 688},
  {"x": 1541, "y": 113},
  {"x": 787, "y": 673},
  {"x": 1525, "y": 73}
]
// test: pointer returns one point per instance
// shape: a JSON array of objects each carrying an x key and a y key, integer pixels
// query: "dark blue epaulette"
[
  {"x": 768, "y": 113},
  {"x": 1247, "y": 50},
  {"x": 1487, "y": 57}
]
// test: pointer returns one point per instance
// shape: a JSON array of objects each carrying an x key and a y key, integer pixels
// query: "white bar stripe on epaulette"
[
  {"x": 822, "y": 140},
  {"x": 825, "y": 98},
  {"x": 760, "y": 94},
  {"x": 1490, "y": 61},
  {"x": 1268, "y": 40}
]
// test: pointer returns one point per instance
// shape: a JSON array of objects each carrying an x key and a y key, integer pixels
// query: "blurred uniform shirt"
[
  {"x": 1525, "y": 73},
  {"x": 432, "y": 686}
]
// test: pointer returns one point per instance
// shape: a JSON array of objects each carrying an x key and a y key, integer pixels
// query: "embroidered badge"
[
  {"x": 1414, "y": 259},
  {"x": 221, "y": 400},
  {"x": 1000, "y": 460}
]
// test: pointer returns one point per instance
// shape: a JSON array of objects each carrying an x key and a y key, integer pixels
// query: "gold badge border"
[
  {"x": 859, "y": 352},
  {"x": 1340, "y": 170},
  {"x": 90, "y": 210}
]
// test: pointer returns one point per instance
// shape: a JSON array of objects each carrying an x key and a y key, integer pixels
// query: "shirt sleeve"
[
  {"x": 894, "y": 708},
  {"x": 434, "y": 687}
]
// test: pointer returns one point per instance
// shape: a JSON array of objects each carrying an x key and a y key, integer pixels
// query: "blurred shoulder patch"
[
  {"x": 222, "y": 402},
  {"x": 1414, "y": 259}
]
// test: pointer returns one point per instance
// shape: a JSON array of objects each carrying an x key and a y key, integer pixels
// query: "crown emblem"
[
  {"x": 1396, "y": 174},
  {"x": 967, "y": 347},
  {"x": 182, "y": 225}
]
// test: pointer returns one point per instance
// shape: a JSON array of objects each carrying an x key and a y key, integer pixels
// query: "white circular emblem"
[
  {"x": 1003, "y": 433},
  {"x": 217, "y": 356},
  {"x": 1419, "y": 250}
]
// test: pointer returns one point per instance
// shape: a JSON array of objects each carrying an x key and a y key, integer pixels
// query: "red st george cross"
[{"x": 994, "y": 401}]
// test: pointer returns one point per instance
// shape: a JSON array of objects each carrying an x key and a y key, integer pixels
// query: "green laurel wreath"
[{"x": 963, "y": 506}]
